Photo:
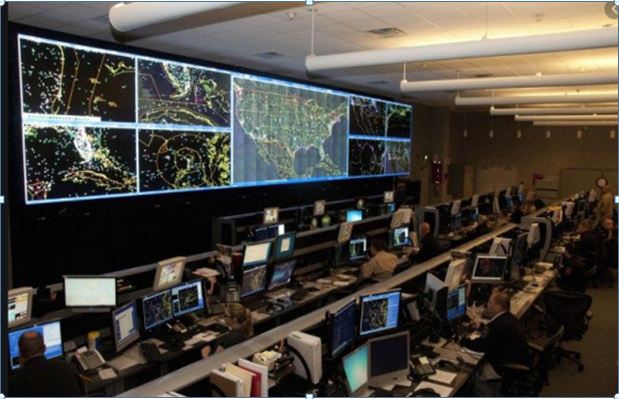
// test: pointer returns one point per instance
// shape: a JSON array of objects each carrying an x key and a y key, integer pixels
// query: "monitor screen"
[
  {"x": 284, "y": 246},
  {"x": 187, "y": 298},
  {"x": 52, "y": 337},
  {"x": 19, "y": 306},
  {"x": 520, "y": 250},
  {"x": 391, "y": 207},
  {"x": 356, "y": 369},
  {"x": 454, "y": 273},
  {"x": 399, "y": 237},
  {"x": 389, "y": 197},
  {"x": 379, "y": 312},
  {"x": 456, "y": 303},
  {"x": 254, "y": 280},
  {"x": 319, "y": 207},
  {"x": 125, "y": 326},
  {"x": 342, "y": 329},
  {"x": 271, "y": 215},
  {"x": 169, "y": 273},
  {"x": 433, "y": 287},
  {"x": 457, "y": 221},
  {"x": 89, "y": 291},
  {"x": 358, "y": 249},
  {"x": 156, "y": 309},
  {"x": 282, "y": 274},
  {"x": 256, "y": 254},
  {"x": 455, "y": 207},
  {"x": 261, "y": 233},
  {"x": 344, "y": 233},
  {"x": 489, "y": 269},
  {"x": 389, "y": 356},
  {"x": 354, "y": 215}
]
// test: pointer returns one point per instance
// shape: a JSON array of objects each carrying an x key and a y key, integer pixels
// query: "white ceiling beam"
[
  {"x": 572, "y": 98},
  {"x": 574, "y": 123},
  {"x": 534, "y": 118},
  {"x": 553, "y": 111}
]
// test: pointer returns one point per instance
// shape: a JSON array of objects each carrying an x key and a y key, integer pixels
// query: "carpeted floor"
[{"x": 599, "y": 353}]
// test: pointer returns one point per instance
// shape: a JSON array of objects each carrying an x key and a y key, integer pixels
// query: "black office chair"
[{"x": 570, "y": 310}]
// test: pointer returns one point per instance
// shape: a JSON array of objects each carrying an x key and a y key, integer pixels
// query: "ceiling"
[{"x": 342, "y": 27}]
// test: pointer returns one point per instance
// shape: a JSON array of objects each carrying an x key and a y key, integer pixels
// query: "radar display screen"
[
  {"x": 379, "y": 312},
  {"x": 157, "y": 309}
]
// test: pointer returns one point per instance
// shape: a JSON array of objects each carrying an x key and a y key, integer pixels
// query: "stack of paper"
[{"x": 443, "y": 377}]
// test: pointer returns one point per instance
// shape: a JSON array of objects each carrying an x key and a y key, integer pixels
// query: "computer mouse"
[
  {"x": 425, "y": 393},
  {"x": 447, "y": 365}
]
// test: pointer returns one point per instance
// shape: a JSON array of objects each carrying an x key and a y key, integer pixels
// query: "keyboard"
[{"x": 121, "y": 363}]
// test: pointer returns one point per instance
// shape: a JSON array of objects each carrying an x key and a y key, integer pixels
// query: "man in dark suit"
[
  {"x": 39, "y": 376},
  {"x": 429, "y": 245}
]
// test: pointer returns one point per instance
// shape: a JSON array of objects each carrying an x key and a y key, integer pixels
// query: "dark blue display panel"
[{"x": 99, "y": 124}]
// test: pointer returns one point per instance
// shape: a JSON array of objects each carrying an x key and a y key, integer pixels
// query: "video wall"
[{"x": 102, "y": 124}]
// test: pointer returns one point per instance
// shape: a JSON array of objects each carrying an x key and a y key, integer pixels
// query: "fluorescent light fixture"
[
  {"x": 534, "y": 118},
  {"x": 572, "y": 98},
  {"x": 574, "y": 123},
  {"x": 553, "y": 110}
]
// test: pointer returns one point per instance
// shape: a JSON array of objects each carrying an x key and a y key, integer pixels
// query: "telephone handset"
[{"x": 89, "y": 360}]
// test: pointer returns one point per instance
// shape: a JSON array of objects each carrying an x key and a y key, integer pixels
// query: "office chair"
[
  {"x": 402, "y": 266},
  {"x": 570, "y": 310}
]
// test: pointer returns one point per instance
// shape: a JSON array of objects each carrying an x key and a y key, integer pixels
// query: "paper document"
[{"x": 443, "y": 377}]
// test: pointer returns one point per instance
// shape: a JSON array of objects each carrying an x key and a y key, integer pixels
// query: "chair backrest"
[{"x": 567, "y": 309}]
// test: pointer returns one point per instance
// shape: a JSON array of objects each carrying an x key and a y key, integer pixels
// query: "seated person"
[
  {"x": 39, "y": 376},
  {"x": 517, "y": 214},
  {"x": 573, "y": 272},
  {"x": 590, "y": 240},
  {"x": 239, "y": 319},
  {"x": 381, "y": 263},
  {"x": 429, "y": 246}
]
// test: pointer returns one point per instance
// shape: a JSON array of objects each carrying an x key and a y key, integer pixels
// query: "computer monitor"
[
  {"x": 125, "y": 326},
  {"x": 399, "y": 237},
  {"x": 456, "y": 303},
  {"x": 52, "y": 338},
  {"x": 187, "y": 297},
  {"x": 389, "y": 357},
  {"x": 489, "y": 269},
  {"x": 282, "y": 274},
  {"x": 500, "y": 246},
  {"x": 169, "y": 273},
  {"x": 391, "y": 207},
  {"x": 379, "y": 312},
  {"x": 360, "y": 203},
  {"x": 520, "y": 250},
  {"x": 401, "y": 217},
  {"x": 354, "y": 215},
  {"x": 275, "y": 230},
  {"x": 455, "y": 207},
  {"x": 474, "y": 200},
  {"x": 533, "y": 236},
  {"x": 344, "y": 233},
  {"x": 257, "y": 253},
  {"x": 357, "y": 370},
  {"x": 342, "y": 329},
  {"x": 454, "y": 273},
  {"x": 90, "y": 291},
  {"x": 271, "y": 215},
  {"x": 320, "y": 207},
  {"x": 456, "y": 221},
  {"x": 389, "y": 197},
  {"x": 284, "y": 246},
  {"x": 157, "y": 309},
  {"x": 254, "y": 280},
  {"x": 19, "y": 306},
  {"x": 434, "y": 294},
  {"x": 357, "y": 249},
  {"x": 261, "y": 233}
]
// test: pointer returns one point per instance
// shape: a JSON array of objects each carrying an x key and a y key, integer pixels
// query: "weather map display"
[
  {"x": 379, "y": 312},
  {"x": 397, "y": 157},
  {"x": 181, "y": 94},
  {"x": 284, "y": 132},
  {"x": 172, "y": 160},
  {"x": 367, "y": 116},
  {"x": 398, "y": 120},
  {"x": 366, "y": 157},
  {"x": 157, "y": 309}
]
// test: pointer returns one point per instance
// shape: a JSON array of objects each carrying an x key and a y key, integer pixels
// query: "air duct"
[
  {"x": 534, "y": 118},
  {"x": 572, "y": 98},
  {"x": 553, "y": 111},
  {"x": 574, "y": 123}
]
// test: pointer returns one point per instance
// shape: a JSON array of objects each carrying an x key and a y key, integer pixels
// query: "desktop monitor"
[
  {"x": 456, "y": 303},
  {"x": 474, "y": 200},
  {"x": 282, "y": 274},
  {"x": 320, "y": 207},
  {"x": 360, "y": 203},
  {"x": 455, "y": 207},
  {"x": 391, "y": 207},
  {"x": 434, "y": 293},
  {"x": 489, "y": 269},
  {"x": 126, "y": 329},
  {"x": 271, "y": 215},
  {"x": 354, "y": 215},
  {"x": 254, "y": 280},
  {"x": 52, "y": 338},
  {"x": 398, "y": 237},
  {"x": 157, "y": 309},
  {"x": 257, "y": 253},
  {"x": 261, "y": 233},
  {"x": 275, "y": 230},
  {"x": 357, "y": 249},
  {"x": 356, "y": 370},
  {"x": 520, "y": 249},
  {"x": 169, "y": 273},
  {"x": 342, "y": 329},
  {"x": 454, "y": 273},
  {"x": 389, "y": 357},
  {"x": 379, "y": 312},
  {"x": 284, "y": 246},
  {"x": 344, "y": 233},
  {"x": 187, "y": 297},
  {"x": 90, "y": 291},
  {"x": 401, "y": 217},
  {"x": 456, "y": 221},
  {"x": 19, "y": 306},
  {"x": 389, "y": 197}
]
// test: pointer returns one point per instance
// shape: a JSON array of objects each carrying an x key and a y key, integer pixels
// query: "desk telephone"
[{"x": 89, "y": 360}]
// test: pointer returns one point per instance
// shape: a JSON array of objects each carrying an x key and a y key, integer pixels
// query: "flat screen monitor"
[
  {"x": 344, "y": 233},
  {"x": 275, "y": 230},
  {"x": 52, "y": 337},
  {"x": 454, "y": 273},
  {"x": 489, "y": 269},
  {"x": 187, "y": 297},
  {"x": 399, "y": 237},
  {"x": 257, "y": 253},
  {"x": 89, "y": 291},
  {"x": 455, "y": 207},
  {"x": 379, "y": 312},
  {"x": 520, "y": 250},
  {"x": 125, "y": 326},
  {"x": 271, "y": 215},
  {"x": 157, "y": 309},
  {"x": 389, "y": 197},
  {"x": 261, "y": 233},
  {"x": 391, "y": 207},
  {"x": 284, "y": 246},
  {"x": 282, "y": 274},
  {"x": 357, "y": 249},
  {"x": 169, "y": 273},
  {"x": 456, "y": 221},
  {"x": 254, "y": 280},
  {"x": 356, "y": 370},
  {"x": 320, "y": 207},
  {"x": 19, "y": 306},
  {"x": 389, "y": 357},
  {"x": 342, "y": 329},
  {"x": 434, "y": 293},
  {"x": 354, "y": 215},
  {"x": 456, "y": 303}
]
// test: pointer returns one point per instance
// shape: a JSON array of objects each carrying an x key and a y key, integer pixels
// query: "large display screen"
[{"x": 99, "y": 124}]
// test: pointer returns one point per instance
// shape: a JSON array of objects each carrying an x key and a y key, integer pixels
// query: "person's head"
[
  {"x": 377, "y": 246},
  {"x": 238, "y": 318},
  {"x": 425, "y": 229},
  {"x": 498, "y": 302},
  {"x": 30, "y": 345}
]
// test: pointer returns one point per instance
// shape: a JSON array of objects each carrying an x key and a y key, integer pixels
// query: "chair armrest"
[
  {"x": 515, "y": 367},
  {"x": 537, "y": 348}
]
